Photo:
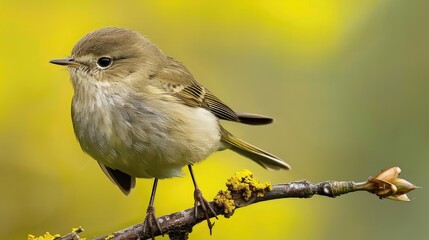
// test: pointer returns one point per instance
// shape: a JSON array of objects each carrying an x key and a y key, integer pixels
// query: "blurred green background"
[{"x": 347, "y": 82}]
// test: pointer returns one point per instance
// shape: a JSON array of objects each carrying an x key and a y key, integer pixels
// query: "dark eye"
[{"x": 104, "y": 62}]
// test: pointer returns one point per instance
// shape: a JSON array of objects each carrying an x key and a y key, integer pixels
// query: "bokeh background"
[{"x": 347, "y": 82}]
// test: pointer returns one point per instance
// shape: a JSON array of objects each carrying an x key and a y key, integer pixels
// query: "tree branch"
[
  {"x": 183, "y": 221},
  {"x": 244, "y": 190}
]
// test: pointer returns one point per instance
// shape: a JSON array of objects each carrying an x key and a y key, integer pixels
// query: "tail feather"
[
  {"x": 253, "y": 119},
  {"x": 258, "y": 155},
  {"x": 124, "y": 181}
]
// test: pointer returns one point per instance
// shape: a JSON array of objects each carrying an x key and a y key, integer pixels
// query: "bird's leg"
[
  {"x": 150, "y": 214},
  {"x": 200, "y": 200}
]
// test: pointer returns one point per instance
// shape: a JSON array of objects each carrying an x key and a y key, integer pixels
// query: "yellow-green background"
[{"x": 347, "y": 81}]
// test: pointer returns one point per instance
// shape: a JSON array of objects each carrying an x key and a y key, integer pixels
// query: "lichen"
[
  {"x": 109, "y": 237},
  {"x": 46, "y": 236},
  {"x": 241, "y": 186},
  {"x": 243, "y": 182},
  {"x": 224, "y": 199},
  {"x": 49, "y": 236}
]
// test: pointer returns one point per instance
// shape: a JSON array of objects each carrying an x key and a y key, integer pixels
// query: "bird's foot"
[
  {"x": 149, "y": 221},
  {"x": 205, "y": 206}
]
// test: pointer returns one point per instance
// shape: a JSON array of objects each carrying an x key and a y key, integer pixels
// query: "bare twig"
[{"x": 71, "y": 236}]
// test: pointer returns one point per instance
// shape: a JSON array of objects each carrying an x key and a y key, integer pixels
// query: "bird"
[{"x": 141, "y": 114}]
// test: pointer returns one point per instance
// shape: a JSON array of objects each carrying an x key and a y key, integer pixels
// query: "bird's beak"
[{"x": 70, "y": 62}]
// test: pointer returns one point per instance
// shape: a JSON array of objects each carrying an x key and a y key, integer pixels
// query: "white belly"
[{"x": 146, "y": 138}]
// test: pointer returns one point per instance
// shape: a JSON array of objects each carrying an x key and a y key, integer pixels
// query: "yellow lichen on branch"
[
  {"x": 46, "y": 236},
  {"x": 244, "y": 183},
  {"x": 224, "y": 199},
  {"x": 70, "y": 236},
  {"x": 109, "y": 237},
  {"x": 241, "y": 188}
]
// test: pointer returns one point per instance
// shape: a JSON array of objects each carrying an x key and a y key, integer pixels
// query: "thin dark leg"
[
  {"x": 152, "y": 195},
  {"x": 200, "y": 200},
  {"x": 192, "y": 176},
  {"x": 150, "y": 213}
]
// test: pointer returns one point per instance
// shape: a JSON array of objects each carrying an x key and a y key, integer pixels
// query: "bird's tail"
[{"x": 258, "y": 155}]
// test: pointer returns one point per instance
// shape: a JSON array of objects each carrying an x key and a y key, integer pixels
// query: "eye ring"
[{"x": 104, "y": 62}]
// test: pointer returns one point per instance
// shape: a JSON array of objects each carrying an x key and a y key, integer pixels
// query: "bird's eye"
[{"x": 104, "y": 62}]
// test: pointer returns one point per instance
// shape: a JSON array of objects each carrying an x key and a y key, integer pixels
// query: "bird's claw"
[
  {"x": 148, "y": 223},
  {"x": 205, "y": 206}
]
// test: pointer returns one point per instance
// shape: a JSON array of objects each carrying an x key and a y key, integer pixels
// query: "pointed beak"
[{"x": 70, "y": 62}]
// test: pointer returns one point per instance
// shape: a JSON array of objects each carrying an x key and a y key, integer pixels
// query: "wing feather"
[{"x": 176, "y": 79}]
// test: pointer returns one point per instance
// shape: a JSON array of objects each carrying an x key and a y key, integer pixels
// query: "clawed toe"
[
  {"x": 149, "y": 221},
  {"x": 200, "y": 200},
  {"x": 205, "y": 206}
]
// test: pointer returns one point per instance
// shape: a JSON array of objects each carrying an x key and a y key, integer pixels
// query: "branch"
[
  {"x": 183, "y": 221},
  {"x": 244, "y": 190},
  {"x": 73, "y": 235}
]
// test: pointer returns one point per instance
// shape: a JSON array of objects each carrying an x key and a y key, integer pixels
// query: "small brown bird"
[{"x": 141, "y": 114}]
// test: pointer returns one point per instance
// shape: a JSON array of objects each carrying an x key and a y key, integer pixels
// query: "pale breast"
[{"x": 144, "y": 136}]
